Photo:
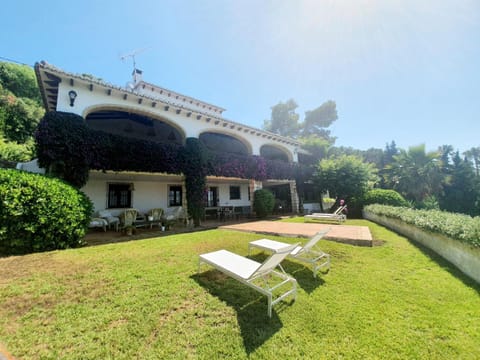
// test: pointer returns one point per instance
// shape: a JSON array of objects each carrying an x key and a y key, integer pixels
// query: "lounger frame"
[
  {"x": 337, "y": 216},
  {"x": 257, "y": 276},
  {"x": 309, "y": 253}
]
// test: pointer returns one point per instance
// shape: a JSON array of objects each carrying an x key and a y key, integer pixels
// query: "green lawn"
[{"x": 144, "y": 300}]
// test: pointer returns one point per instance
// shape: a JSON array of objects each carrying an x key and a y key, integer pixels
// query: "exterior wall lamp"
[{"x": 72, "y": 95}]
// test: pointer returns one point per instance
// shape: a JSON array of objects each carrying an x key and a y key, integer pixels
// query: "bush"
[
  {"x": 455, "y": 226},
  {"x": 263, "y": 203},
  {"x": 12, "y": 151},
  {"x": 38, "y": 213},
  {"x": 384, "y": 197}
]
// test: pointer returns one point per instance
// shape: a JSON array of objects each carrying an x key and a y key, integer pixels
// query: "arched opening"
[
  {"x": 223, "y": 143},
  {"x": 274, "y": 153},
  {"x": 134, "y": 125}
]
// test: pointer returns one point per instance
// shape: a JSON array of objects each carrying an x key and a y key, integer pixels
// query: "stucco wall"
[
  {"x": 147, "y": 194},
  {"x": 464, "y": 257},
  {"x": 224, "y": 194},
  {"x": 152, "y": 194}
]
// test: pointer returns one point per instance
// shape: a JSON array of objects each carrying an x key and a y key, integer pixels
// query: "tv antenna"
[{"x": 132, "y": 55}]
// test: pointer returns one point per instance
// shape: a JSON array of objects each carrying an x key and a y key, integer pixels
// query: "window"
[
  {"x": 120, "y": 195},
  {"x": 234, "y": 192},
  {"x": 212, "y": 197},
  {"x": 175, "y": 196}
]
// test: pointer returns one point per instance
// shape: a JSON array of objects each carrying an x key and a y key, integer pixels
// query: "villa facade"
[{"x": 147, "y": 112}]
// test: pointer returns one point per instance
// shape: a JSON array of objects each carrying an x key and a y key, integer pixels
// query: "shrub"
[
  {"x": 327, "y": 203},
  {"x": 455, "y": 226},
  {"x": 263, "y": 202},
  {"x": 12, "y": 151},
  {"x": 38, "y": 213},
  {"x": 384, "y": 197}
]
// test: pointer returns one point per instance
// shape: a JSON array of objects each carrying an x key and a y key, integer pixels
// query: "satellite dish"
[{"x": 130, "y": 85}]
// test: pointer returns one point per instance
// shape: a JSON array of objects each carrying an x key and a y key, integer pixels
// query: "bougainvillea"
[
  {"x": 233, "y": 165},
  {"x": 69, "y": 149}
]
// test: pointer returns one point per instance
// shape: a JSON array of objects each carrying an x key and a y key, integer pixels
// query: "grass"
[{"x": 144, "y": 300}]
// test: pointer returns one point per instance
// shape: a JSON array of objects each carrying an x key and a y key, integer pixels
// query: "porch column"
[
  {"x": 294, "y": 197},
  {"x": 184, "y": 203}
]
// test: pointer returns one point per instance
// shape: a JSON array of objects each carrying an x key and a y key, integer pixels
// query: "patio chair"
[
  {"x": 111, "y": 220},
  {"x": 336, "y": 216},
  {"x": 128, "y": 217},
  {"x": 155, "y": 217},
  {"x": 97, "y": 223},
  {"x": 307, "y": 253},
  {"x": 174, "y": 214},
  {"x": 254, "y": 274}
]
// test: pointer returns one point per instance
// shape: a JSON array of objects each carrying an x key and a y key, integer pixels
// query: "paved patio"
[{"x": 354, "y": 235}]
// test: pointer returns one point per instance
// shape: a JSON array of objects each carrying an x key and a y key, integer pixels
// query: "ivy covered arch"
[
  {"x": 134, "y": 124},
  {"x": 225, "y": 142},
  {"x": 275, "y": 152},
  {"x": 68, "y": 148}
]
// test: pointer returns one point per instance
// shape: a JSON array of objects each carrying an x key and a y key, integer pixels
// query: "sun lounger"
[
  {"x": 307, "y": 253},
  {"x": 254, "y": 274},
  {"x": 337, "y": 216}
]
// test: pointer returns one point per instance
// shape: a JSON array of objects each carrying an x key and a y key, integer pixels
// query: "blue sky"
[{"x": 401, "y": 70}]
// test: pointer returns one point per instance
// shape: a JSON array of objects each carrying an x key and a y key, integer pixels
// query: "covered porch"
[{"x": 348, "y": 234}]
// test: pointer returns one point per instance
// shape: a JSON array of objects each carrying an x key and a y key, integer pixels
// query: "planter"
[
  {"x": 129, "y": 230},
  {"x": 465, "y": 257}
]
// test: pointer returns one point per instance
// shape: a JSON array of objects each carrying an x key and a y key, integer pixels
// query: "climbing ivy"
[
  {"x": 195, "y": 169},
  {"x": 67, "y": 148}
]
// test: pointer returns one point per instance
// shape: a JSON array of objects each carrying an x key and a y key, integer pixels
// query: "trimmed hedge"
[
  {"x": 384, "y": 197},
  {"x": 455, "y": 226},
  {"x": 263, "y": 202},
  {"x": 38, "y": 213}
]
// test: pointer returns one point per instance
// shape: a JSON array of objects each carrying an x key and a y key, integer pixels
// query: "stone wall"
[{"x": 465, "y": 257}]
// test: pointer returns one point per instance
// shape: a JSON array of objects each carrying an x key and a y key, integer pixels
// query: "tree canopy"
[
  {"x": 20, "y": 111},
  {"x": 285, "y": 121},
  {"x": 317, "y": 120},
  {"x": 19, "y": 80},
  {"x": 416, "y": 173},
  {"x": 347, "y": 177}
]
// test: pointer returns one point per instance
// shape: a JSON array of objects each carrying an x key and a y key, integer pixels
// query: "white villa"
[{"x": 148, "y": 112}]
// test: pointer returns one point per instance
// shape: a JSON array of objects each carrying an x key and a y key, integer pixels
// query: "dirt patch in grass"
[
  {"x": 22, "y": 304},
  {"x": 44, "y": 281},
  {"x": 21, "y": 267}
]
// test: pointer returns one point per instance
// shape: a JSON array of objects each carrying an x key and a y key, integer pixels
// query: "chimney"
[{"x": 137, "y": 76}]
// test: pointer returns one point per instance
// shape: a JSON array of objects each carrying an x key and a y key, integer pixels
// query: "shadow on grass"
[
  {"x": 251, "y": 308},
  {"x": 301, "y": 272}
]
